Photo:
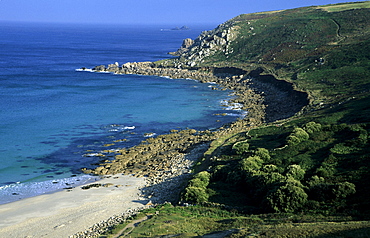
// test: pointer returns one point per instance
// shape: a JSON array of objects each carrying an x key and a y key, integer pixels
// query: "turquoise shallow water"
[{"x": 52, "y": 115}]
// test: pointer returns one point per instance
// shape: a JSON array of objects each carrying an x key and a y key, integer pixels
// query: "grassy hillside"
[{"x": 290, "y": 177}]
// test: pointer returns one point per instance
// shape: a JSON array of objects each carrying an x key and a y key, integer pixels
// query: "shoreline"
[
  {"x": 152, "y": 172},
  {"x": 65, "y": 213},
  {"x": 88, "y": 210},
  {"x": 265, "y": 98}
]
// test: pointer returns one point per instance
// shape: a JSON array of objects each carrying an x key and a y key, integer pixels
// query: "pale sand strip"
[{"x": 64, "y": 213}]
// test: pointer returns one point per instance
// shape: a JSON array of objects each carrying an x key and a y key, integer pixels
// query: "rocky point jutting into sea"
[
  {"x": 166, "y": 160},
  {"x": 265, "y": 98},
  {"x": 262, "y": 96}
]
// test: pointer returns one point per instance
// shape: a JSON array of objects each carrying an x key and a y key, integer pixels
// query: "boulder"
[{"x": 99, "y": 68}]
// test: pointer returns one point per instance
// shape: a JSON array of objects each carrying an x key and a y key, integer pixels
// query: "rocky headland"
[
  {"x": 166, "y": 160},
  {"x": 265, "y": 99}
]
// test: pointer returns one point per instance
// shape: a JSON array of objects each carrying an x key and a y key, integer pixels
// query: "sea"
[{"x": 54, "y": 119}]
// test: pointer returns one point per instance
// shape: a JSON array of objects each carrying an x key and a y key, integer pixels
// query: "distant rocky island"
[{"x": 183, "y": 28}]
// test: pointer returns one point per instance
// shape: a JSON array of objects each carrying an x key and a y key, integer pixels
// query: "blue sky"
[{"x": 141, "y": 11}]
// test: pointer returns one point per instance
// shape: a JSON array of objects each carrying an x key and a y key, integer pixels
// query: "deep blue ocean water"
[{"x": 51, "y": 115}]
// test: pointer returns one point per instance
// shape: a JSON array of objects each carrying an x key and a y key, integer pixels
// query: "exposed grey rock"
[{"x": 184, "y": 47}]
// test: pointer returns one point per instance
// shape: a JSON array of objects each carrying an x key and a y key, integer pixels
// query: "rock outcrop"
[
  {"x": 186, "y": 44},
  {"x": 209, "y": 43},
  {"x": 256, "y": 93}
]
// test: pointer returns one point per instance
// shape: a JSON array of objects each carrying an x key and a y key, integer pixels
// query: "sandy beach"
[{"x": 68, "y": 212}]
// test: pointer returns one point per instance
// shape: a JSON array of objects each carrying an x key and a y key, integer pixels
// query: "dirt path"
[{"x": 128, "y": 229}]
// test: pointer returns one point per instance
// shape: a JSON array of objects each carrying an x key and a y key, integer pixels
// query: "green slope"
[
  {"x": 324, "y": 51},
  {"x": 302, "y": 171}
]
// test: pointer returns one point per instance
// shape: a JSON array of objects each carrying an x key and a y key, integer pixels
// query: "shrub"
[
  {"x": 293, "y": 140},
  {"x": 262, "y": 153},
  {"x": 315, "y": 180},
  {"x": 328, "y": 192},
  {"x": 196, "y": 192},
  {"x": 271, "y": 178},
  {"x": 289, "y": 197},
  {"x": 297, "y": 136},
  {"x": 295, "y": 171},
  {"x": 301, "y": 134},
  {"x": 341, "y": 148},
  {"x": 269, "y": 168},
  {"x": 312, "y": 127},
  {"x": 240, "y": 147},
  {"x": 195, "y": 195},
  {"x": 344, "y": 189},
  {"x": 196, "y": 182},
  {"x": 204, "y": 176},
  {"x": 326, "y": 170},
  {"x": 251, "y": 164}
]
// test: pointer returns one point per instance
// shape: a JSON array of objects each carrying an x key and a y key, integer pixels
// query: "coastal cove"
[
  {"x": 259, "y": 127},
  {"x": 163, "y": 161},
  {"x": 265, "y": 98},
  {"x": 55, "y": 118}
]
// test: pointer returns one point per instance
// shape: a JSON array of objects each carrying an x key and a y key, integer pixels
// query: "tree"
[
  {"x": 251, "y": 164},
  {"x": 287, "y": 197},
  {"x": 195, "y": 195},
  {"x": 196, "y": 182},
  {"x": 262, "y": 153},
  {"x": 323, "y": 191},
  {"x": 295, "y": 171},
  {"x": 204, "y": 176},
  {"x": 241, "y": 147},
  {"x": 293, "y": 140},
  {"x": 297, "y": 136},
  {"x": 342, "y": 190},
  {"x": 312, "y": 127}
]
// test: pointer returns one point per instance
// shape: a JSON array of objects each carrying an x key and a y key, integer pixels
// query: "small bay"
[{"x": 52, "y": 116}]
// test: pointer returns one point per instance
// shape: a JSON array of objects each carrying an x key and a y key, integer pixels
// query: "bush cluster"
[
  {"x": 288, "y": 179},
  {"x": 196, "y": 191}
]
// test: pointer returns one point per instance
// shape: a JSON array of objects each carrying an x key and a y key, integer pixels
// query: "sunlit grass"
[{"x": 345, "y": 6}]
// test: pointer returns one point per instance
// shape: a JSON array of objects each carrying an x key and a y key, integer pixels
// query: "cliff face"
[
  {"x": 207, "y": 44},
  {"x": 310, "y": 47}
]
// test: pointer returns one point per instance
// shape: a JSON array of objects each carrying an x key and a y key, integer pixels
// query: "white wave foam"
[
  {"x": 150, "y": 134},
  {"x": 17, "y": 191},
  {"x": 84, "y": 69},
  {"x": 192, "y": 79},
  {"x": 231, "y": 105},
  {"x": 118, "y": 128}
]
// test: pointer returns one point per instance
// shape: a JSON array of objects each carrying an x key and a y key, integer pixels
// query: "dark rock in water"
[
  {"x": 183, "y": 28},
  {"x": 95, "y": 185},
  {"x": 99, "y": 68},
  {"x": 113, "y": 67}
]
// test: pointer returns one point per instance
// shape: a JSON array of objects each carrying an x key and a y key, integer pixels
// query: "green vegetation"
[
  {"x": 301, "y": 173},
  {"x": 196, "y": 221}
]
